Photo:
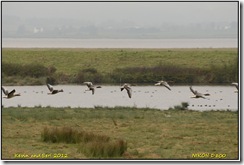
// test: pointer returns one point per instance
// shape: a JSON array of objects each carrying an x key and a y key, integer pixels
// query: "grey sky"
[{"x": 151, "y": 13}]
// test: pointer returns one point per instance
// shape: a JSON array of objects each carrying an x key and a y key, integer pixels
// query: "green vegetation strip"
[
  {"x": 137, "y": 133},
  {"x": 114, "y": 65}
]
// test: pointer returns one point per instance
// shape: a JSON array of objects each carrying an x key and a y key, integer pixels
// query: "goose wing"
[
  {"x": 123, "y": 87},
  {"x": 5, "y": 91},
  {"x": 89, "y": 84},
  {"x": 129, "y": 91},
  {"x": 193, "y": 91},
  {"x": 50, "y": 87},
  {"x": 157, "y": 84},
  {"x": 92, "y": 89},
  {"x": 235, "y": 84},
  {"x": 11, "y": 94},
  {"x": 166, "y": 85}
]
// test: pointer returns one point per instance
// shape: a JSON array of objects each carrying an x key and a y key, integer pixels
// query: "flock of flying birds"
[{"x": 126, "y": 86}]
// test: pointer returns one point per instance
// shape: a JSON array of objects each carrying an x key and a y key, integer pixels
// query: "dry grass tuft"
[{"x": 94, "y": 145}]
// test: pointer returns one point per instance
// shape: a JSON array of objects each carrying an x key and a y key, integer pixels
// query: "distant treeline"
[{"x": 37, "y": 74}]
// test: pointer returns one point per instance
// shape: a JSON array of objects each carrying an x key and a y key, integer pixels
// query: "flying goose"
[
  {"x": 164, "y": 83},
  {"x": 127, "y": 87},
  {"x": 197, "y": 94},
  {"x": 236, "y": 85},
  {"x": 91, "y": 87},
  {"x": 53, "y": 91},
  {"x": 9, "y": 94}
]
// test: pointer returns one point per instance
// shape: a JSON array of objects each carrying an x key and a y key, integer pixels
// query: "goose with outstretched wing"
[
  {"x": 163, "y": 83},
  {"x": 91, "y": 87},
  {"x": 52, "y": 90},
  {"x": 128, "y": 89},
  {"x": 11, "y": 94},
  {"x": 197, "y": 94}
]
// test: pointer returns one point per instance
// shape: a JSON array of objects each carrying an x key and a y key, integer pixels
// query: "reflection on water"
[{"x": 221, "y": 97}]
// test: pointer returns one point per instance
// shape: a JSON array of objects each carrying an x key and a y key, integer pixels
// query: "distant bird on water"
[
  {"x": 197, "y": 94},
  {"x": 9, "y": 94},
  {"x": 128, "y": 89},
  {"x": 236, "y": 85},
  {"x": 91, "y": 87},
  {"x": 164, "y": 83},
  {"x": 52, "y": 90}
]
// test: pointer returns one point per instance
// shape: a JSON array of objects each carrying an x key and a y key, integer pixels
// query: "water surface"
[
  {"x": 118, "y": 43},
  {"x": 221, "y": 97}
]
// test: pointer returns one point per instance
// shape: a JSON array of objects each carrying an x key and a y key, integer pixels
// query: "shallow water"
[{"x": 221, "y": 97}]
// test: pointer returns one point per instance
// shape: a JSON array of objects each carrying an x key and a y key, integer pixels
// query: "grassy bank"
[
  {"x": 142, "y": 133},
  {"x": 113, "y": 65}
]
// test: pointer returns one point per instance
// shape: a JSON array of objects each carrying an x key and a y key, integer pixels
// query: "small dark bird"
[
  {"x": 9, "y": 94},
  {"x": 53, "y": 91},
  {"x": 197, "y": 94},
  {"x": 128, "y": 89}
]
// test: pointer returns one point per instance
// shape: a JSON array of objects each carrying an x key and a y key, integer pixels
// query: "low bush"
[
  {"x": 89, "y": 74},
  {"x": 183, "y": 106},
  {"x": 150, "y": 74},
  {"x": 29, "y": 70}
]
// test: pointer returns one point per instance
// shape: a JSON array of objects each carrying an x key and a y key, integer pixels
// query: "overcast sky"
[{"x": 151, "y": 13}]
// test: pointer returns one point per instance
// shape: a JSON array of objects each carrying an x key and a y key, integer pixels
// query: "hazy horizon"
[{"x": 133, "y": 19}]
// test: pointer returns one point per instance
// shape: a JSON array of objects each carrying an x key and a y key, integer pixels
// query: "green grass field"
[
  {"x": 70, "y": 61},
  {"x": 149, "y": 133}
]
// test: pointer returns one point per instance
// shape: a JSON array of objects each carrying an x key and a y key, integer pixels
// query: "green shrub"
[
  {"x": 150, "y": 74},
  {"x": 88, "y": 75},
  {"x": 34, "y": 70},
  {"x": 183, "y": 106},
  {"x": 10, "y": 69},
  {"x": 51, "y": 80},
  {"x": 29, "y": 70}
]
